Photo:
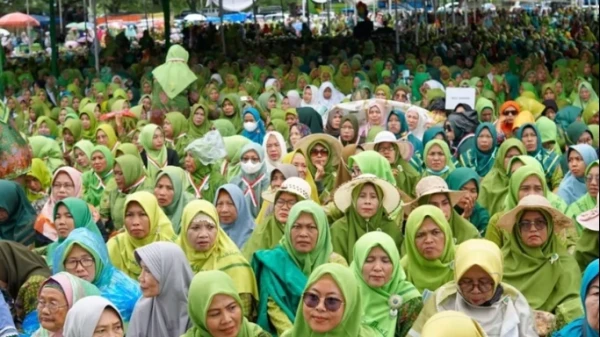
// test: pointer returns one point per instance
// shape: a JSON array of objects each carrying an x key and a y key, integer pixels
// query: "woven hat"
[
  {"x": 333, "y": 143},
  {"x": 590, "y": 219},
  {"x": 434, "y": 185},
  {"x": 534, "y": 203},
  {"x": 343, "y": 196},
  {"x": 294, "y": 185},
  {"x": 406, "y": 148}
]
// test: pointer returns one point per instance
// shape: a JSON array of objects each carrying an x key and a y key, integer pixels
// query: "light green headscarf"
[
  {"x": 174, "y": 76},
  {"x": 449, "y": 163},
  {"x": 194, "y": 131},
  {"x": 48, "y": 151},
  {"x": 157, "y": 158},
  {"x": 376, "y": 299},
  {"x": 180, "y": 195},
  {"x": 88, "y": 110},
  {"x": 425, "y": 274},
  {"x": 350, "y": 325},
  {"x": 204, "y": 287},
  {"x": 96, "y": 183}
]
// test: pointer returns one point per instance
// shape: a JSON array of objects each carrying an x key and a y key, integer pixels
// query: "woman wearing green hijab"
[
  {"x": 130, "y": 177},
  {"x": 367, "y": 203},
  {"x": 171, "y": 192},
  {"x": 88, "y": 122},
  {"x": 283, "y": 271},
  {"x": 585, "y": 95},
  {"x": 204, "y": 179},
  {"x": 46, "y": 127},
  {"x": 428, "y": 267},
  {"x": 323, "y": 157},
  {"x": 198, "y": 123},
  {"x": 231, "y": 110},
  {"x": 481, "y": 157},
  {"x": 343, "y": 78},
  {"x": 550, "y": 161},
  {"x": 437, "y": 159},
  {"x": 486, "y": 110},
  {"x": 71, "y": 134},
  {"x": 536, "y": 262},
  {"x": 494, "y": 186},
  {"x": 343, "y": 306},
  {"x": 100, "y": 178},
  {"x": 156, "y": 155},
  {"x": 467, "y": 180},
  {"x": 376, "y": 266},
  {"x": 590, "y": 200},
  {"x": 211, "y": 294},
  {"x": 175, "y": 127},
  {"x": 46, "y": 150}
]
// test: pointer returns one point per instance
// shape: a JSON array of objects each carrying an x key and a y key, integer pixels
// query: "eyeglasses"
[
  {"x": 85, "y": 263},
  {"x": 484, "y": 285},
  {"x": 593, "y": 177},
  {"x": 319, "y": 152},
  {"x": 386, "y": 148},
  {"x": 527, "y": 225},
  {"x": 287, "y": 203},
  {"x": 52, "y": 306},
  {"x": 65, "y": 186},
  {"x": 510, "y": 112},
  {"x": 312, "y": 301}
]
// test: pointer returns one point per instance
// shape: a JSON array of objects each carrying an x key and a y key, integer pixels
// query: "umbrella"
[
  {"x": 4, "y": 32},
  {"x": 18, "y": 20},
  {"x": 194, "y": 17}
]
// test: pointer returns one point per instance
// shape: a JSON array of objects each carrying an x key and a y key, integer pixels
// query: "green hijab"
[
  {"x": 494, "y": 186},
  {"x": 330, "y": 171},
  {"x": 484, "y": 103},
  {"x": 203, "y": 288},
  {"x": 377, "y": 299},
  {"x": 225, "y": 127},
  {"x": 94, "y": 183},
  {"x": 236, "y": 118},
  {"x": 198, "y": 131},
  {"x": 371, "y": 162},
  {"x": 350, "y": 325},
  {"x": 90, "y": 133},
  {"x": 128, "y": 148},
  {"x": 449, "y": 163},
  {"x": 86, "y": 147},
  {"x": 181, "y": 197},
  {"x": 50, "y": 124},
  {"x": 425, "y": 274},
  {"x": 157, "y": 158}
]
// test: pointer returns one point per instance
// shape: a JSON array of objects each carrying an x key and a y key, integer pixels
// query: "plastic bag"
[{"x": 208, "y": 149}]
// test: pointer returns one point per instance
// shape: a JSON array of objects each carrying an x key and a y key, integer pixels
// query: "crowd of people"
[{"x": 309, "y": 187}]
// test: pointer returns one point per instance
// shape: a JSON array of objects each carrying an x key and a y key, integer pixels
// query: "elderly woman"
[
  {"x": 535, "y": 262},
  {"x": 588, "y": 325},
  {"x": 478, "y": 292},
  {"x": 283, "y": 271},
  {"x": 429, "y": 249},
  {"x": 437, "y": 159},
  {"x": 207, "y": 247},
  {"x": 94, "y": 315},
  {"x": 381, "y": 279}
]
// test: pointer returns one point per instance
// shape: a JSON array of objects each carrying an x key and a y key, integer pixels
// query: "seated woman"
[
  {"x": 175, "y": 127},
  {"x": 253, "y": 180},
  {"x": 531, "y": 137},
  {"x": 434, "y": 191},
  {"x": 494, "y": 186},
  {"x": 106, "y": 136},
  {"x": 145, "y": 223},
  {"x": 277, "y": 176},
  {"x": 22, "y": 273},
  {"x": 198, "y": 122},
  {"x": 452, "y": 324},
  {"x": 275, "y": 147},
  {"x": 38, "y": 181},
  {"x": 331, "y": 305},
  {"x": 234, "y": 214},
  {"x": 82, "y": 155},
  {"x": 429, "y": 258},
  {"x": 57, "y": 296},
  {"x": 324, "y": 151},
  {"x": 367, "y": 203},
  {"x": 535, "y": 262},
  {"x": 201, "y": 170},
  {"x": 172, "y": 195},
  {"x": 586, "y": 249},
  {"x": 91, "y": 316},
  {"x": 17, "y": 216},
  {"x": 467, "y": 180},
  {"x": 254, "y": 127},
  {"x": 283, "y": 271},
  {"x": 165, "y": 280},
  {"x": 590, "y": 199},
  {"x": 481, "y": 157},
  {"x": 437, "y": 159},
  {"x": 216, "y": 309},
  {"x": 573, "y": 186},
  {"x": 156, "y": 155},
  {"x": 586, "y": 326},
  {"x": 298, "y": 160},
  {"x": 207, "y": 247},
  {"x": 101, "y": 178},
  {"x": 83, "y": 254},
  {"x": 382, "y": 280},
  {"x": 478, "y": 292}
]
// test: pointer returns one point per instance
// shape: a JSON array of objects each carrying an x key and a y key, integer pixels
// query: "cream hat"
[
  {"x": 434, "y": 185},
  {"x": 534, "y": 203},
  {"x": 334, "y": 146},
  {"x": 406, "y": 148},
  {"x": 292, "y": 185},
  {"x": 343, "y": 196},
  {"x": 590, "y": 219}
]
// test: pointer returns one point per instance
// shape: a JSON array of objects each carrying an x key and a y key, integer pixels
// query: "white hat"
[
  {"x": 435, "y": 185},
  {"x": 406, "y": 148},
  {"x": 333, "y": 143},
  {"x": 534, "y": 203},
  {"x": 343, "y": 196},
  {"x": 292, "y": 185},
  {"x": 590, "y": 219}
]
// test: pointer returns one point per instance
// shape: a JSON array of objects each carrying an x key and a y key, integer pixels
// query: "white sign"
[{"x": 456, "y": 96}]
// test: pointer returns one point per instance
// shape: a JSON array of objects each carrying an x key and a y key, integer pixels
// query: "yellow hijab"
[
  {"x": 314, "y": 194},
  {"x": 452, "y": 324}
]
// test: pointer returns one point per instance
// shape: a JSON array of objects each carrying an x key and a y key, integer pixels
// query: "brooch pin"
[
  {"x": 553, "y": 258},
  {"x": 395, "y": 302}
]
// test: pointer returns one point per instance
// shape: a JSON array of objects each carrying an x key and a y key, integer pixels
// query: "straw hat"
[
  {"x": 293, "y": 185},
  {"x": 434, "y": 185},
  {"x": 343, "y": 196},
  {"x": 406, "y": 148},
  {"x": 590, "y": 219},
  {"x": 334, "y": 145},
  {"x": 534, "y": 203}
]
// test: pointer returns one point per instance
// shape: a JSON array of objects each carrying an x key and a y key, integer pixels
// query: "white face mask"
[
  {"x": 250, "y": 167},
  {"x": 250, "y": 126}
]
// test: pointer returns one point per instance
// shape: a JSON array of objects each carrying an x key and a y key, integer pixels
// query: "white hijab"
[
  {"x": 336, "y": 96},
  {"x": 272, "y": 164},
  {"x": 294, "y": 98},
  {"x": 314, "y": 102},
  {"x": 165, "y": 314},
  {"x": 83, "y": 317},
  {"x": 424, "y": 118}
]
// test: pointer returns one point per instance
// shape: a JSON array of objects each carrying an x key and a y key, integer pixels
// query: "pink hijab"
[{"x": 364, "y": 129}]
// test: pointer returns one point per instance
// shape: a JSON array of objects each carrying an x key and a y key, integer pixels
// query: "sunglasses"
[
  {"x": 319, "y": 152},
  {"x": 510, "y": 112},
  {"x": 312, "y": 301}
]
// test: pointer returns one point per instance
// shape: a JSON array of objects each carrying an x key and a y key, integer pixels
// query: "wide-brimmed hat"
[
  {"x": 293, "y": 185},
  {"x": 334, "y": 145},
  {"x": 434, "y": 185},
  {"x": 591, "y": 218},
  {"x": 406, "y": 148},
  {"x": 534, "y": 203},
  {"x": 343, "y": 196}
]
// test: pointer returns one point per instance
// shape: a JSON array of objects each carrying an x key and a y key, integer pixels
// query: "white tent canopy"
[{"x": 234, "y": 5}]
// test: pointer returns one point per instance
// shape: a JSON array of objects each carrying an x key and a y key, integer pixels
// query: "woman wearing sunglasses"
[
  {"x": 331, "y": 306},
  {"x": 283, "y": 271},
  {"x": 508, "y": 114}
]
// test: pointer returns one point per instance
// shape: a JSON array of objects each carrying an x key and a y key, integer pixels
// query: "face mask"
[
  {"x": 250, "y": 126},
  {"x": 250, "y": 167}
]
